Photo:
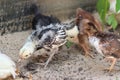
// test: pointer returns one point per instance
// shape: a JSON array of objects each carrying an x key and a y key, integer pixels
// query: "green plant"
[
  {"x": 111, "y": 20},
  {"x": 103, "y": 7},
  {"x": 117, "y": 78},
  {"x": 68, "y": 44},
  {"x": 117, "y": 5}
]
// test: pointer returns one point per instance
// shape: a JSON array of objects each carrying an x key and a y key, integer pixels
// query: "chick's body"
[
  {"x": 7, "y": 66},
  {"x": 82, "y": 38},
  {"x": 49, "y": 38},
  {"x": 109, "y": 44}
]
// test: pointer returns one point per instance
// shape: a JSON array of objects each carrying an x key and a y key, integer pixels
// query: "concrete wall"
[{"x": 15, "y": 15}]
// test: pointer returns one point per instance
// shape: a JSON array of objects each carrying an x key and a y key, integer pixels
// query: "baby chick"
[
  {"x": 83, "y": 41},
  {"x": 7, "y": 67},
  {"x": 107, "y": 44},
  {"x": 82, "y": 14},
  {"x": 48, "y": 38},
  {"x": 48, "y": 35}
]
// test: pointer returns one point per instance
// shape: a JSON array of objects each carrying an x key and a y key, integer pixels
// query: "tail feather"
[
  {"x": 41, "y": 19},
  {"x": 34, "y": 9}
]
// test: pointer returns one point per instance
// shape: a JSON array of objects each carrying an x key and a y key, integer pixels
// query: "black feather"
[
  {"x": 41, "y": 19},
  {"x": 34, "y": 9}
]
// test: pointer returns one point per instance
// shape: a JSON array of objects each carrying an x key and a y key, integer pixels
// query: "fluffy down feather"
[{"x": 7, "y": 66}]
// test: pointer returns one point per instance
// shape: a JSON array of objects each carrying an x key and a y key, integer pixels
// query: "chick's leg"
[
  {"x": 51, "y": 55},
  {"x": 30, "y": 77},
  {"x": 84, "y": 44},
  {"x": 113, "y": 59}
]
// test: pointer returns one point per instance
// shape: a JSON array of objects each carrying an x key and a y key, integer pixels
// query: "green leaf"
[
  {"x": 111, "y": 20},
  {"x": 117, "y": 78},
  {"x": 68, "y": 44},
  {"x": 117, "y": 5},
  {"x": 102, "y": 8}
]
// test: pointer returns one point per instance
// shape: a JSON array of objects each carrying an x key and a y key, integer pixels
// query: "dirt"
[{"x": 68, "y": 64}]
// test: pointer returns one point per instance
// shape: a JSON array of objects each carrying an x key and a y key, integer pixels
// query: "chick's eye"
[
  {"x": 88, "y": 29},
  {"x": 26, "y": 55}
]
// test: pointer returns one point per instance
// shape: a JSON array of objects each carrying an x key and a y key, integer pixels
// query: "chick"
[
  {"x": 82, "y": 38},
  {"x": 71, "y": 30},
  {"x": 41, "y": 20},
  {"x": 49, "y": 38},
  {"x": 48, "y": 34},
  {"x": 82, "y": 14},
  {"x": 7, "y": 67},
  {"x": 107, "y": 44}
]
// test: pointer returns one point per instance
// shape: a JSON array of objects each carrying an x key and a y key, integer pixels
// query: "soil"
[{"x": 68, "y": 64}]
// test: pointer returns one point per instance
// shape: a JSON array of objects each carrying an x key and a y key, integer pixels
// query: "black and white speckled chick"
[
  {"x": 48, "y": 34},
  {"x": 50, "y": 38}
]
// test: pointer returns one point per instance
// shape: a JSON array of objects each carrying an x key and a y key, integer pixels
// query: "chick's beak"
[
  {"x": 21, "y": 56},
  {"x": 20, "y": 59}
]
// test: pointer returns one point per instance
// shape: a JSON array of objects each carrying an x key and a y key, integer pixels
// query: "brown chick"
[
  {"x": 82, "y": 14},
  {"x": 83, "y": 42},
  {"x": 107, "y": 44}
]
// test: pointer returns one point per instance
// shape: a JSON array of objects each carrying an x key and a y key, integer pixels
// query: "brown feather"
[{"x": 82, "y": 14}]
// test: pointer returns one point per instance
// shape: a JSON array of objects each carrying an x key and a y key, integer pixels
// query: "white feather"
[
  {"x": 72, "y": 32},
  {"x": 7, "y": 66},
  {"x": 95, "y": 42},
  {"x": 28, "y": 48}
]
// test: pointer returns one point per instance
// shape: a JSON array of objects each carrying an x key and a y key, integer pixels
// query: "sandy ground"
[{"x": 68, "y": 64}]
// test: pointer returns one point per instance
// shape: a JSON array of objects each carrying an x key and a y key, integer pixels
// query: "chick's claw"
[
  {"x": 109, "y": 69},
  {"x": 89, "y": 55},
  {"x": 30, "y": 77},
  {"x": 49, "y": 59}
]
